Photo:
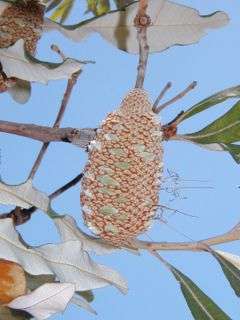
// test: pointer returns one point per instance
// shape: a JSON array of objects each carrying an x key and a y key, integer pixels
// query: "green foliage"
[
  {"x": 202, "y": 307},
  {"x": 221, "y": 134},
  {"x": 231, "y": 272}
]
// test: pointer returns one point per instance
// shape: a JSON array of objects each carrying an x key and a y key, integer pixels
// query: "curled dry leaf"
[
  {"x": 67, "y": 261},
  {"x": 12, "y": 281},
  {"x": 69, "y": 230},
  {"x": 16, "y": 63},
  {"x": 20, "y": 91},
  {"x": 172, "y": 24},
  {"x": 23, "y": 195},
  {"x": 80, "y": 302},
  {"x": 45, "y": 301}
]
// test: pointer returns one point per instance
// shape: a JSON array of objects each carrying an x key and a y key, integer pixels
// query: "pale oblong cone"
[
  {"x": 21, "y": 20},
  {"x": 120, "y": 187}
]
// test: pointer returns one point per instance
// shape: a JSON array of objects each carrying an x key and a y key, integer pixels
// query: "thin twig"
[
  {"x": 177, "y": 97},
  {"x": 67, "y": 186},
  {"x": 161, "y": 95},
  {"x": 71, "y": 82},
  {"x": 80, "y": 137},
  {"x": 142, "y": 21}
]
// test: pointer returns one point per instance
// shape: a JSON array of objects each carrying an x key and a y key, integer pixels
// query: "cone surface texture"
[
  {"x": 20, "y": 21},
  {"x": 120, "y": 187}
]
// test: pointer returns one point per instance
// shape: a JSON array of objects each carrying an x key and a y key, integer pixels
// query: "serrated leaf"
[
  {"x": 10, "y": 314},
  {"x": 67, "y": 261},
  {"x": 172, "y": 24},
  {"x": 62, "y": 11},
  {"x": 35, "y": 281},
  {"x": 202, "y": 307},
  {"x": 20, "y": 91},
  {"x": 230, "y": 265},
  {"x": 69, "y": 230},
  {"x": 49, "y": 299},
  {"x": 17, "y": 63},
  {"x": 23, "y": 195},
  {"x": 221, "y": 96}
]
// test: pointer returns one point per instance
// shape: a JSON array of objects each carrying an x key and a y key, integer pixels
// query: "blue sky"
[{"x": 214, "y": 63}]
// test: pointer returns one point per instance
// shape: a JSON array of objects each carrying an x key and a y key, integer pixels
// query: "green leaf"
[
  {"x": 98, "y": 7},
  {"x": 216, "y": 98},
  {"x": 52, "y": 5},
  {"x": 232, "y": 273},
  {"x": 225, "y": 129},
  {"x": 234, "y": 150},
  {"x": 62, "y": 11},
  {"x": 202, "y": 307},
  {"x": 87, "y": 295},
  {"x": 220, "y": 134}
]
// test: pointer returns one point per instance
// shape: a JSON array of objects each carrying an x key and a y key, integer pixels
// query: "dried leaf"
[
  {"x": 35, "y": 281},
  {"x": 23, "y": 195},
  {"x": 20, "y": 91},
  {"x": 45, "y": 301},
  {"x": 80, "y": 302},
  {"x": 172, "y": 24},
  {"x": 87, "y": 295},
  {"x": 17, "y": 63},
  {"x": 68, "y": 230},
  {"x": 11, "y": 314},
  {"x": 67, "y": 261}
]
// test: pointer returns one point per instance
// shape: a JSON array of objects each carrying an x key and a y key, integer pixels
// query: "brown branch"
[
  {"x": 71, "y": 82},
  {"x": 80, "y": 137},
  {"x": 176, "y": 98},
  {"x": 232, "y": 235},
  {"x": 142, "y": 21}
]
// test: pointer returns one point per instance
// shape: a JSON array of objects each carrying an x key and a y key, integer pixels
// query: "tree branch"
[
  {"x": 232, "y": 235},
  {"x": 71, "y": 82},
  {"x": 142, "y": 21},
  {"x": 80, "y": 137}
]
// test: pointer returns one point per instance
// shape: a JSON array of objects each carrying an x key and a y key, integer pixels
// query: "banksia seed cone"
[
  {"x": 120, "y": 186},
  {"x": 12, "y": 281},
  {"x": 20, "y": 21}
]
